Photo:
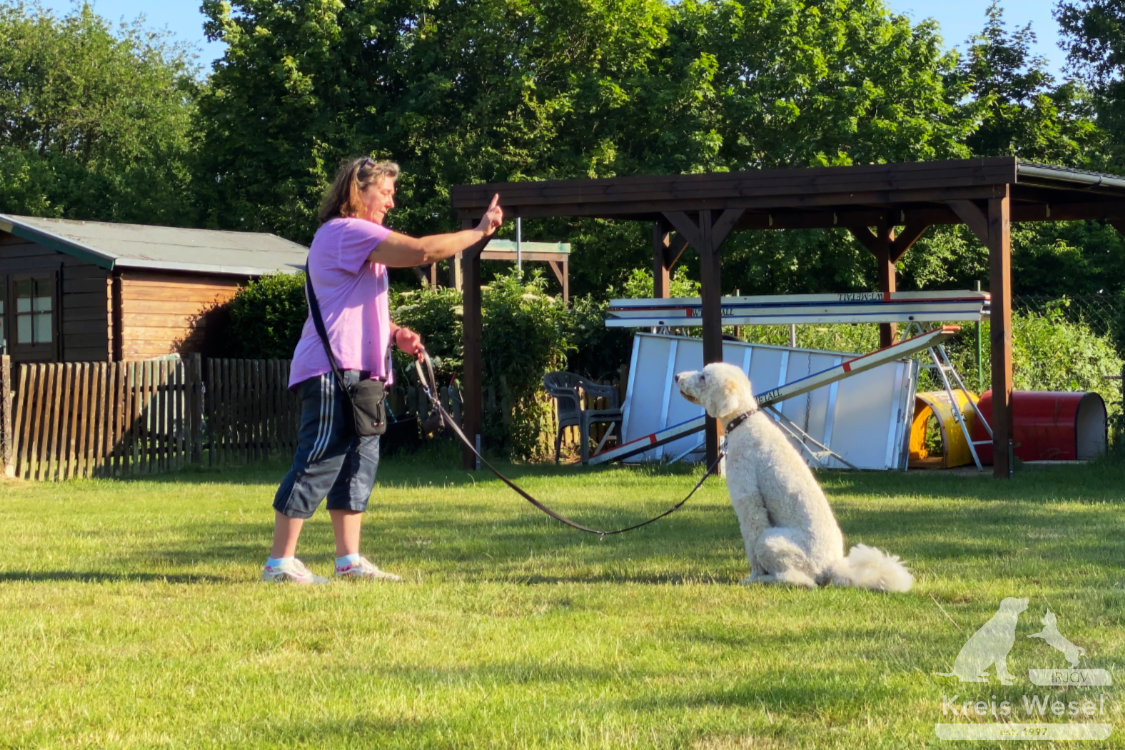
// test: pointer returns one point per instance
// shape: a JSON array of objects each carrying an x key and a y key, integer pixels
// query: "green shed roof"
[{"x": 138, "y": 246}]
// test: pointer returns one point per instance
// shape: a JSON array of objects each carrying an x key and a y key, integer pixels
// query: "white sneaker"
[
  {"x": 365, "y": 569},
  {"x": 293, "y": 571}
]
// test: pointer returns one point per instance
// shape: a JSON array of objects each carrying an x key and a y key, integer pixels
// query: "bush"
[
  {"x": 598, "y": 352},
  {"x": 266, "y": 317},
  {"x": 1049, "y": 353},
  {"x": 523, "y": 339},
  {"x": 595, "y": 351},
  {"x": 437, "y": 315},
  {"x": 840, "y": 337}
]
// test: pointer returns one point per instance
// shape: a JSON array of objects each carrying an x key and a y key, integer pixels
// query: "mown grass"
[{"x": 132, "y": 616}]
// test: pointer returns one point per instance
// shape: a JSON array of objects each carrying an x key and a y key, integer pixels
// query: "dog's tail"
[{"x": 868, "y": 568}]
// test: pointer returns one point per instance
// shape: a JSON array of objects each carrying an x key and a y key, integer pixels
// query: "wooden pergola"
[{"x": 887, "y": 207}]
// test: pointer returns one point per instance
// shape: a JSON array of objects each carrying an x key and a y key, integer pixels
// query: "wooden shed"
[{"x": 73, "y": 291}]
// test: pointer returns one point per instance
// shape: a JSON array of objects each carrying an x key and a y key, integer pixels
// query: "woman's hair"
[{"x": 342, "y": 199}]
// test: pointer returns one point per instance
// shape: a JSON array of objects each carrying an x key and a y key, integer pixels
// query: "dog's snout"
[{"x": 676, "y": 378}]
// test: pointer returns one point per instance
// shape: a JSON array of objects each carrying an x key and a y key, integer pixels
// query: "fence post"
[
  {"x": 194, "y": 373},
  {"x": 7, "y": 438}
]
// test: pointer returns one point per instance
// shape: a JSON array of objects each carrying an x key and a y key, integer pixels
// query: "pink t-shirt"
[{"x": 353, "y": 298}]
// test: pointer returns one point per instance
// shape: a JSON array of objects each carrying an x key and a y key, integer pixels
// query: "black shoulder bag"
[{"x": 368, "y": 396}]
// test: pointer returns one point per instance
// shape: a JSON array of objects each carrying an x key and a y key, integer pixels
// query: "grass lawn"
[{"x": 132, "y": 615}]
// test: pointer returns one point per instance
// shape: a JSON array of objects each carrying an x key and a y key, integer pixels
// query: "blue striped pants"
[{"x": 331, "y": 461}]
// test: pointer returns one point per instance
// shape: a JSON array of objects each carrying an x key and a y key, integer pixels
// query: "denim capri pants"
[{"x": 331, "y": 461}]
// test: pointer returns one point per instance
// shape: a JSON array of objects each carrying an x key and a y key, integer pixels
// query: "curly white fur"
[{"x": 790, "y": 533}]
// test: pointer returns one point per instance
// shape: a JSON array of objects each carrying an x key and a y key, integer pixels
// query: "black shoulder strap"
[{"x": 314, "y": 310}]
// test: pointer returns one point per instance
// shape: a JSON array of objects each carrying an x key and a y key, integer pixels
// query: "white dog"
[{"x": 790, "y": 533}]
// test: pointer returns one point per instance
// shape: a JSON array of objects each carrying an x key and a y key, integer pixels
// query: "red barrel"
[{"x": 1049, "y": 426}]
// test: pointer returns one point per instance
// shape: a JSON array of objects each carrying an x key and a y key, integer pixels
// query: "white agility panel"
[
  {"x": 852, "y": 307},
  {"x": 859, "y": 406}
]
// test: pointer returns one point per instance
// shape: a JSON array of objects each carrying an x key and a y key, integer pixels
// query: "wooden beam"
[
  {"x": 999, "y": 242},
  {"x": 661, "y": 269},
  {"x": 974, "y": 217},
  {"x": 687, "y": 227},
  {"x": 905, "y": 239},
  {"x": 562, "y": 272},
  {"x": 711, "y": 297},
  {"x": 724, "y": 225},
  {"x": 472, "y": 337},
  {"x": 867, "y": 184},
  {"x": 880, "y": 244}
]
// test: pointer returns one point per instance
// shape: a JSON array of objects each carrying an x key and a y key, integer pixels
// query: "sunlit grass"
[{"x": 132, "y": 616}]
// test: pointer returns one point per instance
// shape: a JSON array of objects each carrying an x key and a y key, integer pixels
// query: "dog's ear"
[{"x": 725, "y": 395}]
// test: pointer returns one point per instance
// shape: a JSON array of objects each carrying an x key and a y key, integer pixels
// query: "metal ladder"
[{"x": 949, "y": 379}]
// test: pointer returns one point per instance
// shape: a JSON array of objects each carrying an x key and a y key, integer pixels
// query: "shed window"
[{"x": 33, "y": 306}]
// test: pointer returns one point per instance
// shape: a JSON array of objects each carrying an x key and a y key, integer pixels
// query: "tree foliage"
[
  {"x": 266, "y": 317},
  {"x": 104, "y": 123},
  {"x": 524, "y": 337},
  {"x": 1094, "y": 34},
  {"x": 456, "y": 92},
  {"x": 831, "y": 82},
  {"x": 95, "y": 123},
  {"x": 511, "y": 89},
  {"x": 1019, "y": 109}
]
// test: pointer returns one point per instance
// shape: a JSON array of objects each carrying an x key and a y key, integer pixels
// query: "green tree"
[
  {"x": 815, "y": 83},
  {"x": 523, "y": 339},
  {"x": 456, "y": 92},
  {"x": 94, "y": 124},
  {"x": 1019, "y": 110},
  {"x": 820, "y": 82},
  {"x": 1094, "y": 34}
]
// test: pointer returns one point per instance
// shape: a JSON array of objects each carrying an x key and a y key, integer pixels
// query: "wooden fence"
[
  {"x": 88, "y": 419},
  {"x": 250, "y": 412},
  {"x": 115, "y": 419}
]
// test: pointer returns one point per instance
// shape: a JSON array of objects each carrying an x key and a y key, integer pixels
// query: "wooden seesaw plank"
[{"x": 858, "y": 307}]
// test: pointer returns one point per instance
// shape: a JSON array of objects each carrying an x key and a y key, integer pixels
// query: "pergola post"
[
  {"x": 992, "y": 225},
  {"x": 1000, "y": 286},
  {"x": 661, "y": 272},
  {"x": 880, "y": 244},
  {"x": 706, "y": 235},
  {"x": 469, "y": 263},
  {"x": 712, "y": 301},
  {"x": 667, "y": 248}
]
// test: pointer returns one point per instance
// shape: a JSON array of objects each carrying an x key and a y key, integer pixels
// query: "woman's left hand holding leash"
[{"x": 410, "y": 342}]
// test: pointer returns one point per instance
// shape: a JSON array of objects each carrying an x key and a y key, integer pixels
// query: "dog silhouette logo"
[
  {"x": 1051, "y": 636},
  {"x": 989, "y": 646}
]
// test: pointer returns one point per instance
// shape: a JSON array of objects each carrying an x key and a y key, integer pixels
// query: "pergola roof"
[
  {"x": 816, "y": 197},
  {"x": 887, "y": 207}
]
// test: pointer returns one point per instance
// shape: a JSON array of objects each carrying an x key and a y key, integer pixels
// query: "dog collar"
[{"x": 740, "y": 419}]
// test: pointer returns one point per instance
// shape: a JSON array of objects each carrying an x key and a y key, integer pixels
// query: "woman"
[{"x": 348, "y": 262}]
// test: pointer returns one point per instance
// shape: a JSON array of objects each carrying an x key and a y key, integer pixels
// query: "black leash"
[{"x": 430, "y": 387}]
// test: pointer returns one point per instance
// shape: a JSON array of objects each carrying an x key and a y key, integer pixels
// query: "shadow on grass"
[
  {"x": 60, "y": 576},
  {"x": 964, "y": 519},
  {"x": 428, "y": 466}
]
